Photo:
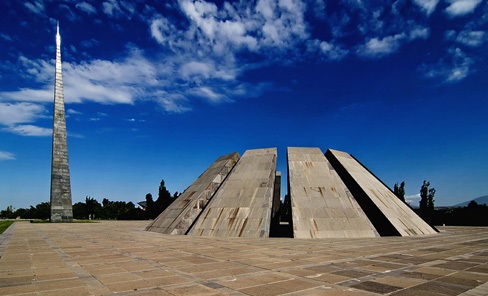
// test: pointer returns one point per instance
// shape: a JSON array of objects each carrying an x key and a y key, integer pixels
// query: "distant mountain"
[{"x": 480, "y": 200}]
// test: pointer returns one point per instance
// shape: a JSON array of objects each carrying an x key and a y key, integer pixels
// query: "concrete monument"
[
  {"x": 321, "y": 204},
  {"x": 332, "y": 196},
  {"x": 182, "y": 213},
  {"x": 388, "y": 213},
  {"x": 61, "y": 205},
  {"x": 242, "y": 206}
]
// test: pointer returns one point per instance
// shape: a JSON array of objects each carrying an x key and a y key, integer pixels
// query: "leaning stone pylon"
[
  {"x": 61, "y": 205},
  {"x": 322, "y": 206},
  {"x": 332, "y": 196},
  {"x": 242, "y": 206},
  {"x": 182, "y": 213},
  {"x": 389, "y": 215}
]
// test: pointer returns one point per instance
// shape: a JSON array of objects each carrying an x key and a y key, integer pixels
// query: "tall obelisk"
[{"x": 61, "y": 205}]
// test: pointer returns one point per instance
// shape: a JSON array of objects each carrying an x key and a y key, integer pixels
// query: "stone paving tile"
[
  {"x": 399, "y": 281},
  {"x": 194, "y": 290},
  {"x": 439, "y": 288},
  {"x": 480, "y": 268},
  {"x": 252, "y": 280},
  {"x": 375, "y": 287},
  {"x": 279, "y": 288},
  {"x": 329, "y": 278},
  {"x": 456, "y": 265},
  {"x": 352, "y": 273},
  {"x": 119, "y": 257},
  {"x": 329, "y": 291}
]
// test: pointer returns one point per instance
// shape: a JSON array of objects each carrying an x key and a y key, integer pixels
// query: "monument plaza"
[{"x": 120, "y": 258}]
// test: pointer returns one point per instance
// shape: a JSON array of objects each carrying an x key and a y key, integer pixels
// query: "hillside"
[{"x": 480, "y": 200}]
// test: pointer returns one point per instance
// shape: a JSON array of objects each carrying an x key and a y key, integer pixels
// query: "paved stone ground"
[{"x": 121, "y": 258}]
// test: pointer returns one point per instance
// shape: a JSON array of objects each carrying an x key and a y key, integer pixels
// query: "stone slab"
[
  {"x": 388, "y": 213},
  {"x": 182, "y": 213},
  {"x": 242, "y": 205},
  {"x": 322, "y": 206}
]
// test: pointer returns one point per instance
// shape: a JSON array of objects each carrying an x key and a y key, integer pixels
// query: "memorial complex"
[{"x": 332, "y": 195}]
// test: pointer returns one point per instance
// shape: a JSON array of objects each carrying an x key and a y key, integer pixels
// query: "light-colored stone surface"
[
  {"x": 181, "y": 214},
  {"x": 242, "y": 205},
  {"x": 61, "y": 205},
  {"x": 388, "y": 213},
  {"x": 322, "y": 206},
  {"x": 119, "y": 257}
]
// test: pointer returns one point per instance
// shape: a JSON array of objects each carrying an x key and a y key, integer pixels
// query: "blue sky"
[{"x": 159, "y": 89}]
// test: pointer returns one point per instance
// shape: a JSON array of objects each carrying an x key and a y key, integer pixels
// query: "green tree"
[
  {"x": 92, "y": 206},
  {"x": 400, "y": 191},
  {"x": 79, "y": 210},
  {"x": 150, "y": 207},
  {"x": 43, "y": 211},
  {"x": 431, "y": 200},
  {"x": 8, "y": 213},
  {"x": 164, "y": 199},
  {"x": 426, "y": 205},
  {"x": 424, "y": 195}
]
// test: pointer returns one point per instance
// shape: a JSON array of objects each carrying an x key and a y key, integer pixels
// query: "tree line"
[
  {"x": 471, "y": 215},
  {"x": 92, "y": 209},
  {"x": 426, "y": 204}
]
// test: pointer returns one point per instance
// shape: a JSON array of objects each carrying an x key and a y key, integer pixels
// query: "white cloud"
[
  {"x": 4, "y": 155},
  {"x": 217, "y": 31},
  {"x": 376, "y": 47},
  {"x": 471, "y": 38},
  {"x": 86, "y": 7},
  {"x": 29, "y": 95},
  {"x": 454, "y": 67},
  {"x": 67, "y": 12},
  {"x": 207, "y": 48},
  {"x": 14, "y": 113},
  {"x": 196, "y": 71},
  {"x": 72, "y": 111},
  {"x": 461, "y": 7},
  {"x": 461, "y": 66},
  {"x": 327, "y": 50},
  {"x": 209, "y": 94},
  {"x": 111, "y": 7},
  {"x": 89, "y": 43},
  {"x": 418, "y": 32},
  {"x": 5, "y": 37},
  {"x": 172, "y": 102},
  {"x": 413, "y": 200},
  {"x": 28, "y": 130},
  {"x": 118, "y": 8},
  {"x": 284, "y": 22},
  {"x": 161, "y": 30},
  {"x": 379, "y": 47},
  {"x": 36, "y": 7},
  {"x": 427, "y": 5},
  {"x": 107, "y": 82}
]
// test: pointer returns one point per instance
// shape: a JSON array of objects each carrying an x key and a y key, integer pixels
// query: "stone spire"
[{"x": 61, "y": 205}]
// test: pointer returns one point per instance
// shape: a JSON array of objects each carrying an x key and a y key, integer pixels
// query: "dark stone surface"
[{"x": 376, "y": 287}]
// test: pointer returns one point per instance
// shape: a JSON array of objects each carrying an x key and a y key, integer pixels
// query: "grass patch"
[
  {"x": 74, "y": 221},
  {"x": 84, "y": 221},
  {"x": 39, "y": 221},
  {"x": 4, "y": 225}
]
